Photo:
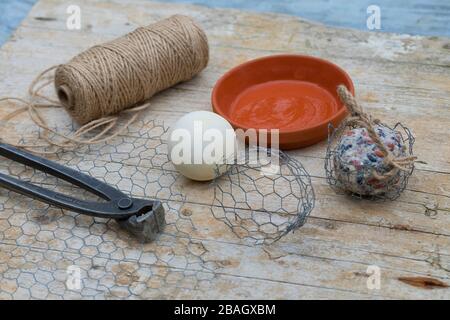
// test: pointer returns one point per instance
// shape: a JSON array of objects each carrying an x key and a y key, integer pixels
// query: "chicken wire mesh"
[
  {"x": 263, "y": 196},
  {"x": 39, "y": 242},
  {"x": 361, "y": 174}
]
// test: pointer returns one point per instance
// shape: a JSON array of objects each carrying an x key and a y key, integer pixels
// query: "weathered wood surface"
[
  {"x": 397, "y": 77},
  {"x": 421, "y": 17}
]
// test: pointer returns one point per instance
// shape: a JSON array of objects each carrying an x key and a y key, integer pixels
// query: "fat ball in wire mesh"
[{"x": 365, "y": 157}]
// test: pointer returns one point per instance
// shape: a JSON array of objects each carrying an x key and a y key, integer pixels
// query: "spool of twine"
[{"x": 118, "y": 76}]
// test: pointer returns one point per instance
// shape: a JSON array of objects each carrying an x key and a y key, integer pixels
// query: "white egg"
[{"x": 201, "y": 145}]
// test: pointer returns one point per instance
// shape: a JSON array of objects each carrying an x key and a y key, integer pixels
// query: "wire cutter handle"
[
  {"x": 77, "y": 178},
  {"x": 117, "y": 206},
  {"x": 120, "y": 209}
]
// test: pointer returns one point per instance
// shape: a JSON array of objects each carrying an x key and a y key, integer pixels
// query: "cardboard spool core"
[{"x": 65, "y": 96}]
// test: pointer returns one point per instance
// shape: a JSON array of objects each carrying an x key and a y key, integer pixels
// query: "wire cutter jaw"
[{"x": 146, "y": 225}]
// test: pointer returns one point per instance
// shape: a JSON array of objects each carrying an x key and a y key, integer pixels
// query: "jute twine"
[
  {"x": 102, "y": 84},
  {"x": 358, "y": 118}
]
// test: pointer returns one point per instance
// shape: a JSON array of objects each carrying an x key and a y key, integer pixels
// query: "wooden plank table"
[{"x": 397, "y": 77}]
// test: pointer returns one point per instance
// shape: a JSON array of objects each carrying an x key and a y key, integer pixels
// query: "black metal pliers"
[{"x": 143, "y": 218}]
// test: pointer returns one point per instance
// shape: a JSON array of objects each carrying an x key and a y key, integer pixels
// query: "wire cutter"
[{"x": 143, "y": 218}]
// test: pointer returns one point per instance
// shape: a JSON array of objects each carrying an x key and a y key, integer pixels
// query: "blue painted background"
[
  {"x": 11, "y": 14},
  {"x": 424, "y": 17}
]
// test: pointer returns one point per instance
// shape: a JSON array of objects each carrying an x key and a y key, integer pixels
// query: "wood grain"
[{"x": 397, "y": 77}]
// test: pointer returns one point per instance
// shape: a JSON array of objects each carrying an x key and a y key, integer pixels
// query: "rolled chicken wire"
[{"x": 261, "y": 201}]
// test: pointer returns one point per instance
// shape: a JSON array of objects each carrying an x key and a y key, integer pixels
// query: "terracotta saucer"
[{"x": 293, "y": 93}]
